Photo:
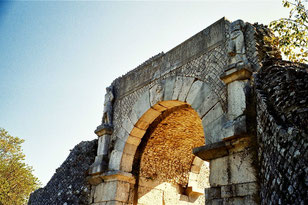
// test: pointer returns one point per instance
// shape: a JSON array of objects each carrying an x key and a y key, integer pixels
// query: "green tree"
[
  {"x": 16, "y": 178},
  {"x": 292, "y": 32}
]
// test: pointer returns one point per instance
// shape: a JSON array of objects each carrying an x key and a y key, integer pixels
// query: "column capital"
[
  {"x": 234, "y": 73},
  {"x": 103, "y": 130}
]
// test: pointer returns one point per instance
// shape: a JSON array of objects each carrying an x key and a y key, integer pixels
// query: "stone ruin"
[{"x": 219, "y": 119}]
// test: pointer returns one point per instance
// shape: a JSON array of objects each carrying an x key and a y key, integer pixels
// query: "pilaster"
[
  {"x": 233, "y": 178},
  {"x": 101, "y": 160}
]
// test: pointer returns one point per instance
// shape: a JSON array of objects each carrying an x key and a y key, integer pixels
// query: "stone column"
[
  {"x": 233, "y": 178},
  {"x": 116, "y": 188},
  {"x": 100, "y": 164},
  {"x": 232, "y": 175}
]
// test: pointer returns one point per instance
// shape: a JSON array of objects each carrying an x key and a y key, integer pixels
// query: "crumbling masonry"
[{"x": 219, "y": 119}]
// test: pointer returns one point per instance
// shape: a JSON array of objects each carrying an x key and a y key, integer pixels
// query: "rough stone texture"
[
  {"x": 158, "y": 192},
  {"x": 167, "y": 155},
  {"x": 236, "y": 98},
  {"x": 186, "y": 72},
  {"x": 166, "y": 171},
  {"x": 281, "y": 90},
  {"x": 200, "y": 57},
  {"x": 69, "y": 185},
  {"x": 258, "y": 50},
  {"x": 111, "y": 190}
]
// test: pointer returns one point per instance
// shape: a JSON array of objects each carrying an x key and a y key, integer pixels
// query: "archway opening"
[{"x": 166, "y": 170}]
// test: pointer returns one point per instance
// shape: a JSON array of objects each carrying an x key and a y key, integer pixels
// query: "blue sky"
[{"x": 56, "y": 58}]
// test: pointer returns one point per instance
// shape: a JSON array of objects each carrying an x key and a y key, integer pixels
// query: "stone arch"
[
  {"x": 199, "y": 73},
  {"x": 169, "y": 138},
  {"x": 166, "y": 94}
]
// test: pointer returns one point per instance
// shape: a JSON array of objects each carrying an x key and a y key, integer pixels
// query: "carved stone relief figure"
[
  {"x": 236, "y": 45},
  {"x": 108, "y": 107}
]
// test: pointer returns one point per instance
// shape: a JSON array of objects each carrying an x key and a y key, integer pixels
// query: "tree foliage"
[
  {"x": 292, "y": 32},
  {"x": 16, "y": 178}
]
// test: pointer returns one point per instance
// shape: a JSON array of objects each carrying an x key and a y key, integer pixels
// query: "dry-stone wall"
[
  {"x": 69, "y": 186},
  {"x": 281, "y": 90}
]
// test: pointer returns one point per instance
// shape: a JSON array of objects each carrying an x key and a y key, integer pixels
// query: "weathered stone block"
[
  {"x": 168, "y": 187},
  {"x": 171, "y": 103},
  {"x": 103, "y": 144},
  {"x": 227, "y": 191},
  {"x": 234, "y": 201},
  {"x": 212, "y": 114},
  {"x": 177, "y": 87},
  {"x": 147, "y": 195},
  {"x": 206, "y": 104},
  {"x": 136, "y": 132},
  {"x": 234, "y": 127},
  {"x": 142, "y": 124},
  {"x": 215, "y": 202},
  {"x": 147, "y": 118},
  {"x": 193, "y": 176},
  {"x": 194, "y": 91},
  {"x": 236, "y": 98},
  {"x": 195, "y": 169},
  {"x": 199, "y": 99},
  {"x": 159, "y": 107},
  {"x": 98, "y": 192},
  {"x": 187, "y": 82},
  {"x": 99, "y": 165},
  {"x": 219, "y": 171},
  {"x": 103, "y": 130},
  {"x": 212, "y": 193},
  {"x": 241, "y": 168},
  {"x": 127, "y": 124},
  {"x": 94, "y": 180},
  {"x": 213, "y": 130},
  {"x": 112, "y": 191},
  {"x": 246, "y": 189},
  {"x": 121, "y": 133},
  {"x": 168, "y": 88},
  {"x": 212, "y": 151},
  {"x": 124, "y": 146},
  {"x": 133, "y": 117},
  {"x": 142, "y": 105},
  {"x": 127, "y": 162},
  {"x": 130, "y": 148},
  {"x": 184, "y": 199},
  {"x": 236, "y": 74},
  {"x": 115, "y": 160},
  {"x": 171, "y": 198},
  {"x": 156, "y": 94},
  {"x": 133, "y": 140},
  {"x": 239, "y": 190}
]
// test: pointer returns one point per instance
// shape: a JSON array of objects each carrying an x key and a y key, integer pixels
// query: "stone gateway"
[{"x": 199, "y": 125}]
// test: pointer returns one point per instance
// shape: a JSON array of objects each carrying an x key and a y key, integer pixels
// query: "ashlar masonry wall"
[{"x": 200, "y": 74}]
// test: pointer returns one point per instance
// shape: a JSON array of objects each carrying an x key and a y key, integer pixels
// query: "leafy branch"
[{"x": 292, "y": 32}]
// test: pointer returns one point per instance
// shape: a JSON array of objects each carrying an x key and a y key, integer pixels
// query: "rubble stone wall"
[
  {"x": 281, "y": 90},
  {"x": 68, "y": 186}
]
